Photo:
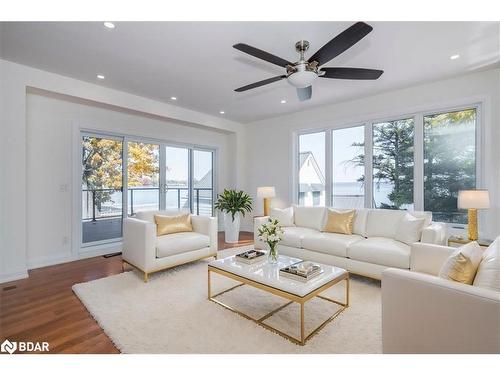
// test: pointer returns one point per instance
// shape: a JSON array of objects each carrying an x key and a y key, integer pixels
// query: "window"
[
  {"x": 348, "y": 167},
  {"x": 376, "y": 164},
  {"x": 316, "y": 198},
  {"x": 393, "y": 164},
  {"x": 449, "y": 162},
  {"x": 311, "y": 169}
]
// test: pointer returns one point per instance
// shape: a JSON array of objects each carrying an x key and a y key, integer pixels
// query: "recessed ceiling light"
[
  {"x": 109, "y": 25},
  {"x": 173, "y": 97},
  {"x": 454, "y": 57},
  {"x": 222, "y": 112},
  {"x": 100, "y": 76},
  {"x": 283, "y": 101}
]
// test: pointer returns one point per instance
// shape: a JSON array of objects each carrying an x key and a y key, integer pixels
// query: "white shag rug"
[{"x": 171, "y": 314}]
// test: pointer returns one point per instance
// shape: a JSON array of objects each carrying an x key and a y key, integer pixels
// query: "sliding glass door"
[
  {"x": 189, "y": 176},
  {"x": 122, "y": 176},
  {"x": 203, "y": 192},
  {"x": 102, "y": 188},
  {"x": 177, "y": 178}
]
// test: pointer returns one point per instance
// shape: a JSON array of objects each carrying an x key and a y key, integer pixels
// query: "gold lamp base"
[
  {"x": 267, "y": 205},
  {"x": 472, "y": 225}
]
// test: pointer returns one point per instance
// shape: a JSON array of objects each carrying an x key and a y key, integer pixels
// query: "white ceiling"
[{"x": 195, "y": 61}]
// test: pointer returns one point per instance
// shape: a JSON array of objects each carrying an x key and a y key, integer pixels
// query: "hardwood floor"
[{"x": 44, "y": 308}]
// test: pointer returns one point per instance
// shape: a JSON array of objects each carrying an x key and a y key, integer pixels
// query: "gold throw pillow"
[
  {"x": 462, "y": 265},
  {"x": 173, "y": 224},
  {"x": 339, "y": 222}
]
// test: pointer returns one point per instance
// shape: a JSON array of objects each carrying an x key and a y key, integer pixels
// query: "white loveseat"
[
  {"x": 144, "y": 250},
  {"x": 368, "y": 251},
  {"x": 423, "y": 313}
]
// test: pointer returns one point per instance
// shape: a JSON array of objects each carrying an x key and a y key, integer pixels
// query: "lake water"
[{"x": 148, "y": 199}]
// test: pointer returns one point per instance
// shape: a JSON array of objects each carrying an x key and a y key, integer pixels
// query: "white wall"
[
  {"x": 19, "y": 152},
  {"x": 272, "y": 164}
]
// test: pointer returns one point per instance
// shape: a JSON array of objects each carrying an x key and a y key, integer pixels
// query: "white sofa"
[
  {"x": 368, "y": 251},
  {"x": 150, "y": 253},
  {"x": 422, "y": 313}
]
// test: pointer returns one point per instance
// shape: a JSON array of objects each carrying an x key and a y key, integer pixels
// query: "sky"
[{"x": 178, "y": 167}]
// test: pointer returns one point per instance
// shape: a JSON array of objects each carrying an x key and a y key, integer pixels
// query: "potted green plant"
[{"x": 233, "y": 204}]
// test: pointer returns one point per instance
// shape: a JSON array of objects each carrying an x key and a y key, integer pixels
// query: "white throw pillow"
[
  {"x": 383, "y": 222},
  {"x": 310, "y": 217},
  {"x": 462, "y": 265},
  {"x": 488, "y": 273},
  {"x": 359, "y": 226},
  {"x": 284, "y": 216},
  {"x": 426, "y": 215},
  {"x": 409, "y": 229}
]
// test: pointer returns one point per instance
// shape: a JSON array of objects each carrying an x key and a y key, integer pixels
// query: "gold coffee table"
[{"x": 265, "y": 276}]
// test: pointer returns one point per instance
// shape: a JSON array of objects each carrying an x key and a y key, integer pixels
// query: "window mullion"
[
  {"x": 328, "y": 168},
  {"x": 418, "y": 163},
  {"x": 162, "y": 176},
  {"x": 190, "y": 180},
  {"x": 368, "y": 165},
  {"x": 125, "y": 177}
]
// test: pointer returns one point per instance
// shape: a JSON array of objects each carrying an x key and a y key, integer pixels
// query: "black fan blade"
[
  {"x": 260, "y": 83},
  {"x": 351, "y": 73},
  {"x": 345, "y": 40},
  {"x": 304, "y": 93},
  {"x": 263, "y": 55}
]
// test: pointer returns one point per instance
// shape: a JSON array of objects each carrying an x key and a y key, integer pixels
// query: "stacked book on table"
[
  {"x": 251, "y": 256},
  {"x": 302, "y": 271}
]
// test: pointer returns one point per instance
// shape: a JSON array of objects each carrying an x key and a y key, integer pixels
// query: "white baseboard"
[
  {"x": 96, "y": 251},
  {"x": 84, "y": 253},
  {"x": 4, "y": 278},
  {"x": 49, "y": 261}
]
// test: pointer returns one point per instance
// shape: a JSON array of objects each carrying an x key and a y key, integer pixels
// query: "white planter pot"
[{"x": 232, "y": 228}]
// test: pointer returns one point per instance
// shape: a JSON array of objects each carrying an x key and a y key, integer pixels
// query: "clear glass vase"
[{"x": 272, "y": 256}]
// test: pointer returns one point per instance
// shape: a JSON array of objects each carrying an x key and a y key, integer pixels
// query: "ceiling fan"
[{"x": 302, "y": 73}]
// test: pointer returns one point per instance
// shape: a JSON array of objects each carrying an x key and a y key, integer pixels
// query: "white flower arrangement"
[{"x": 271, "y": 232}]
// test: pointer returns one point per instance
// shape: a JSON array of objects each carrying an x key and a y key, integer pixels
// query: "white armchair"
[
  {"x": 148, "y": 253},
  {"x": 422, "y": 313}
]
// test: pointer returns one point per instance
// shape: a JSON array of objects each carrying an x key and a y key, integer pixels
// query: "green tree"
[{"x": 392, "y": 160}]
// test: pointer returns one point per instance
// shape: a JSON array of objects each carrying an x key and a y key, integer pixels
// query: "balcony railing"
[{"x": 96, "y": 206}]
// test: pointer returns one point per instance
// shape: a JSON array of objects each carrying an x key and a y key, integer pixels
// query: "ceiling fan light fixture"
[
  {"x": 302, "y": 79},
  {"x": 302, "y": 73}
]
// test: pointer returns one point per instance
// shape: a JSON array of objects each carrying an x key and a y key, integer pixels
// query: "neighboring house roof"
[
  {"x": 205, "y": 181},
  {"x": 303, "y": 158}
]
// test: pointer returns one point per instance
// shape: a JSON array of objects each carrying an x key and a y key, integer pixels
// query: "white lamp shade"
[
  {"x": 473, "y": 199},
  {"x": 266, "y": 192}
]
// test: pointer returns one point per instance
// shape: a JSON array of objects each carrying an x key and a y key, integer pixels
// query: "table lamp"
[
  {"x": 266, "y": 192},
  {"x": 473, "y": 200}
]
